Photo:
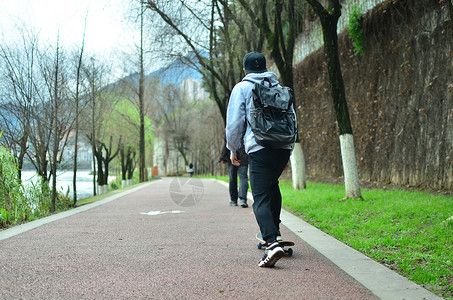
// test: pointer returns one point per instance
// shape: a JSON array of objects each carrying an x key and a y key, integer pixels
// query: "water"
[{"x": 64, "y": 182}]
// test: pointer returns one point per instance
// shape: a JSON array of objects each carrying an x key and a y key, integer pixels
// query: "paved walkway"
[{"x": 177, "y": 238}]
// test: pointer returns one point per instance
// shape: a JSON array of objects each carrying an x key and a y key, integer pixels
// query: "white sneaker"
[{"x": 271, "y": 255}]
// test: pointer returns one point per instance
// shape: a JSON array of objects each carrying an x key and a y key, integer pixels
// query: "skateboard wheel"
[
  {"x": 259, "y": 245},
  {"x": 290, "y": 252}
]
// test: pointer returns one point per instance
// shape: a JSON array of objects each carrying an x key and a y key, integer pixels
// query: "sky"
[{"x": 107, "y": 30}]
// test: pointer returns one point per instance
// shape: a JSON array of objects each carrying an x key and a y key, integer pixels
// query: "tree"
[
  {"x": 19, "y": 93},
  {"x": 195, "y": 27},
  {"x": 128, "y": 164},
  {"x": 124, "y": 119},
  {"x": 212, "y": 38},
  {"x": 98, "y": 148},
  {"x": 39, "y": 138},
  {"x": 141, "y": 96},
  {"x": 185, "y": 126},
  {"x": 104, "y": 162},
  {"x": 172, "y": 115},
  {"x": 51, "y": 116},
  {"x": 134, "y": 87},
  {"x": 132, "y": 95},
  {"x": 61, "y": 115},
  {"x": 329, "y": 18},
  {"x": 284, "y": 17},
  {"x": 206, "y": 137},
  {"x": 98, "y": 107},
  {"x": 178, "y": 117},
  {"x": 55, "y": 111},
  {"x": 77, "y": 104}
]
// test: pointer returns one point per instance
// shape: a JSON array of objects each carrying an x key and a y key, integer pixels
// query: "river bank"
[{"x": 64, "y": 182}]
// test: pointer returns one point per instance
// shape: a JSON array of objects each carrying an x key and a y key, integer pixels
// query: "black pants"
[{"x": 266, "y": 166}]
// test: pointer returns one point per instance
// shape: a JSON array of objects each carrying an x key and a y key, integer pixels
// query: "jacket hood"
[{"x": 258, "y": 77}]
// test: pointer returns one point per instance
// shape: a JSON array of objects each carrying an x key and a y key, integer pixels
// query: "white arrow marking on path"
[{"x": 158, "y": 212}]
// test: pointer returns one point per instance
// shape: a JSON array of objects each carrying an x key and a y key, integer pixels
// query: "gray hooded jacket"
[{"x": 239, "y": 109}]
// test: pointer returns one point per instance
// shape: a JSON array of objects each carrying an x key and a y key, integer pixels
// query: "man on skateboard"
[{"x": 265, "y": 163}]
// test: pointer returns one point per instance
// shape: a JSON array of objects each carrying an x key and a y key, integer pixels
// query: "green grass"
[
  {"x": 221, "y": 178},
  {"x": 404, "y": 230}
]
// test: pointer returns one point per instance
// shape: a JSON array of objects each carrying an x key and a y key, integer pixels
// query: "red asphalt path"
[{"x": 143, "y": 245}]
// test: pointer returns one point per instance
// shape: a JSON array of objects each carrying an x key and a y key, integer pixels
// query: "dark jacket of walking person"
[
  {"x": 190, "y": 169},
  {"x": 265, "y": 164},
  {"x": 233, "y": 173}
]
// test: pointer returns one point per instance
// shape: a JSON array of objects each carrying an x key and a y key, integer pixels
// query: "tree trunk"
[
  {"x": 76, "y": 141},
  {"x": 141, "y": 95},
  {"x": 93, "y": 135},
  {"x": 123, "y": 168},
  {"x": 109, "y": 156},
  {"x": 23, "y": 151},
  {"x": 53, "y": 166},
  {"x": 329, "y": 19},
  {"x": 93, "y": 157},
  {"x": 100, "y": 171},
  {"x": 76, "y": 134},
  {"x": 351, "y": 175},
  {"x": 298, "y": 168},
  {"x": 131, "y": 163}
]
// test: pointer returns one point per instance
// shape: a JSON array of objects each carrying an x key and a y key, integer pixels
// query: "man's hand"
[{"x": 234, "y": 160}]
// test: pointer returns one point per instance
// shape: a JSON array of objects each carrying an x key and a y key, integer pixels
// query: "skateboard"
[{"x": 262, "y": 243}]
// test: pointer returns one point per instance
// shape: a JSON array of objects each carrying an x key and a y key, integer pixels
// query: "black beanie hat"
[{"x": 254, "y": 62}]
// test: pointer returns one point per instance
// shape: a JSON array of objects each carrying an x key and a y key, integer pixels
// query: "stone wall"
[
  {"x": 400, "y": 98},
  {"x": 311, "y": 39}
]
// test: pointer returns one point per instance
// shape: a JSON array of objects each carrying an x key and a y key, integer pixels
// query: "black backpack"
[{"x": 271, "y": 118}]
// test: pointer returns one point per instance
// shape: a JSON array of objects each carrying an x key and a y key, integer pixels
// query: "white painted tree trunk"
[
  {"x": 129, "y": 182},
  {"x": 298, "y": 168},
  {"x": 105, "y": 188},
  {"x": 123, "y": 183},
  {"x": 99, "y": 189},
  {"x": 351, "y": 174}
]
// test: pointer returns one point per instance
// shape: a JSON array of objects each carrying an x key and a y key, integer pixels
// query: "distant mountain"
[{"x": 175, "y": 72}]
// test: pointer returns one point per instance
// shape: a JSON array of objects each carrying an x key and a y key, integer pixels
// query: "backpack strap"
[
  {"x": 246, "y": 121},
  {"x": 245, "y": 79},
  {"x": 265, "y": 79},
  {"x": 254, "y": 90}
]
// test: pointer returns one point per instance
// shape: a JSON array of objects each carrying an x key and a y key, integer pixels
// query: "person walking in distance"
[
  {"x": 233, "y": 172},
  {"x": 266, "y": 163},
  {"x": 190, "y": 169}
]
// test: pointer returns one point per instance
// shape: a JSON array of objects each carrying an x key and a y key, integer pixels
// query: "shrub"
[
  {"x": 21, "y": 203},
  {"x": 354, "y": 28},
  {"x": 10, "y": 187}
]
